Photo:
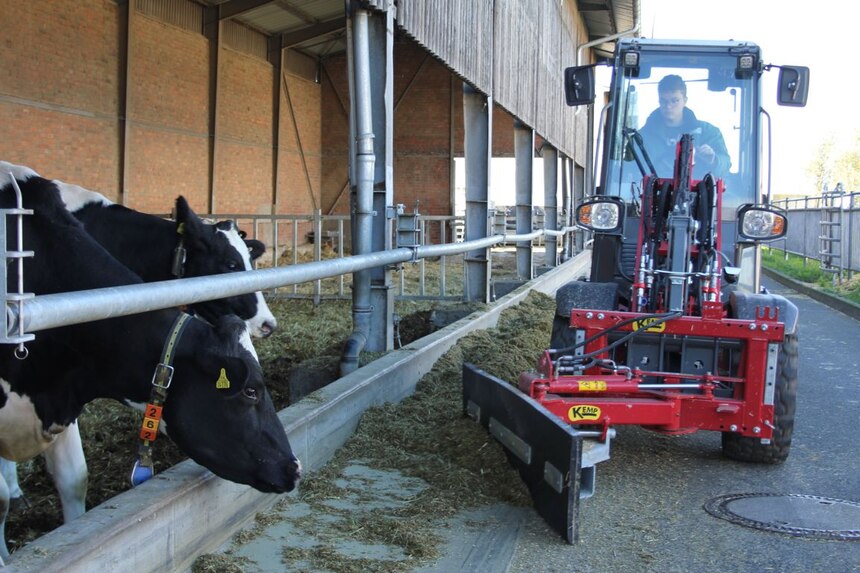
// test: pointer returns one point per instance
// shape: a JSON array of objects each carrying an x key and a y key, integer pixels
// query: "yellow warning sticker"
[
  {"x": 223, "y": 382},
  {"x": 583, "y": 412},
  {"x": 646, "y": 322},
  {"x": 592, "y": 385}
]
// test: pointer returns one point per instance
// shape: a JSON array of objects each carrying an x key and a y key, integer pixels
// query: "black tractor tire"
[
  {"x": 746, "y": 449},
  {"x": 578, "y": 294}
]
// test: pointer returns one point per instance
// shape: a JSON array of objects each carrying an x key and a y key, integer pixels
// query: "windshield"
[{"x": 676, "y": 94}]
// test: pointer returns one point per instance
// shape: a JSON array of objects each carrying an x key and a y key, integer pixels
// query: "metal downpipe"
[{"x": 365, "y": 162}]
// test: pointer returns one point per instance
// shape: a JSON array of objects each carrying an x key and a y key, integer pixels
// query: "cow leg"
[
  {"x": 4, "y": 511},
  {"x": 67, "y": 465},
  {"x": 9, "y": 471}
]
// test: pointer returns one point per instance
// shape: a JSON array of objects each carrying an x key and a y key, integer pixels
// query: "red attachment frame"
[{"x": 604, "y": 396}]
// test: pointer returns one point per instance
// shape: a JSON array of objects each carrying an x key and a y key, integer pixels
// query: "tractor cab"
[{"x": 710, "y": 91}]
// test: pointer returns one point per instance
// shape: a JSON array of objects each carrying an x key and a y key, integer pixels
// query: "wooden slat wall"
[
  {"x": 182, "y": 13},
  {"x": 243, "y": 39},
  {"x": 458, "y": 32},
  {"x": 514, "y": 50}
]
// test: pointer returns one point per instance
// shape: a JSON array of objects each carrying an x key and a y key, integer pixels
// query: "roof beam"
[
  {"x": 297, "y": 12},
  {"x": 592, "y": 7},
  {"x": 311, "y": 32},
  {"x": 238, "y": 7}
]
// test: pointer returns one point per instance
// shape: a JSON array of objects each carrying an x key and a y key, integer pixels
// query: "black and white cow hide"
[
  {"x": 146, "y": 244},
  {"x": 233, "y": 429}
]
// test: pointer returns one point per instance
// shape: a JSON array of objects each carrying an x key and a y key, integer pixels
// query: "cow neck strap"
[{"x": 161, "y": 379}]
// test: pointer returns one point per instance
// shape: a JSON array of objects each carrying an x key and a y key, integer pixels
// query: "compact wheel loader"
[{"x": 672, "y": 331}]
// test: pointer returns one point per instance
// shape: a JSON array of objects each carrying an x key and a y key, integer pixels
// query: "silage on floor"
[{"x": 427, "y": 436}]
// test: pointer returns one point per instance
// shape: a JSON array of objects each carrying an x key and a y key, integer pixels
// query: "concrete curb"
[
  {"x": 164, "y": 524},
  {"x": 845, "y": 306}
]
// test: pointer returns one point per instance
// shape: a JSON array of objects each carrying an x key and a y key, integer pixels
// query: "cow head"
[
  {"x": 219, "y": 248},
  {"x": 219, "y": 412}
]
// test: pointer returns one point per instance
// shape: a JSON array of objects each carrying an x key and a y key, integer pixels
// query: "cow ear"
[
  {"x": 255, "y": 248},
  {"x": 188, "y": 223}
]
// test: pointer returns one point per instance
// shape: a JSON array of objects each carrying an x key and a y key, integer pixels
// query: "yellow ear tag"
[{"x": 223, "y": 383}]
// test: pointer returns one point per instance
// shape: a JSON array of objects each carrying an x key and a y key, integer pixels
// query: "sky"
[{"x": 792, "y": 32}]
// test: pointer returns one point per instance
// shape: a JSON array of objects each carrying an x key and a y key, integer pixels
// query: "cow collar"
[{"x": 161, "y": 378}]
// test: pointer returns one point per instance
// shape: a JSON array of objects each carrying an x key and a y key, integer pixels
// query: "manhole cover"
[{"x": 794, "y": 514}]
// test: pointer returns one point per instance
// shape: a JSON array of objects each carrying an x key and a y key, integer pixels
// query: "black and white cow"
[
  {"x": 146, "y": 244},
  {"x": 218, "y": 410}
]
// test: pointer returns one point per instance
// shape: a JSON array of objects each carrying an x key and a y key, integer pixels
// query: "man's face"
[{"x": 672, "y": 106}]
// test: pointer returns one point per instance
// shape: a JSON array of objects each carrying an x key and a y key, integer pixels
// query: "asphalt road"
[{"x": 647, "y": 516}]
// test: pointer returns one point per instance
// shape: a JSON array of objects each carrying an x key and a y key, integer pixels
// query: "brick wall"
[
  {"x": 300, "y": 146},
  {"x": 334, "y": 102},
  {"x": 243, "y": 169},
  {"x": 59, "y": 90},
  {"x": 168, "y": 117},
  {"x": 60, "y": 114}
]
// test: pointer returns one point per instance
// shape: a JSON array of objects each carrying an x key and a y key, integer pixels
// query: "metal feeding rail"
[{"x": 62, "y": 309}]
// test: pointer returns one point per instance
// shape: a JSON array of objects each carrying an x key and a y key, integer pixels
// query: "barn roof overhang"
[
  {"x": 317, "y": 28},
  {"x": 608, "y": 19}
]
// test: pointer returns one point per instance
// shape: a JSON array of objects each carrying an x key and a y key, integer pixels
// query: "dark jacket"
[{"x": 661, "y": 141}]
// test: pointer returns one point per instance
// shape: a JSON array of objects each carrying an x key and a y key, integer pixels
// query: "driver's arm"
[{"x": 713, "y": 152}]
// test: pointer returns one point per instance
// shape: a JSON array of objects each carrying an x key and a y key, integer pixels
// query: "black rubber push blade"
[{"x": 546, "y": 451}]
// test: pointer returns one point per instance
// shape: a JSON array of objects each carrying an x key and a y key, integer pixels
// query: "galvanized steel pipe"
[
  {"x": 62, "y": 309},
  {"x": 365, "y": 163}
]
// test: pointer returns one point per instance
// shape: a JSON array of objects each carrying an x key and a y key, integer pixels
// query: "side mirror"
[
  {"x": 793, "y": 85},
  {"x": 579, "y": 85}
]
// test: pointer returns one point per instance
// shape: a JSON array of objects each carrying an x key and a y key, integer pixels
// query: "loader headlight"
[
  {"x": 760, "y": 223},
  {"x": 603, "y": 215}
]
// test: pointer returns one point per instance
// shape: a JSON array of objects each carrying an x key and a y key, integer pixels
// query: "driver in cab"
[{"x": 666, "y": 124}]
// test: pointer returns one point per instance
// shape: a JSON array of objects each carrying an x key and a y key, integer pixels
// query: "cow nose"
[{"x": 267, "y": 329}]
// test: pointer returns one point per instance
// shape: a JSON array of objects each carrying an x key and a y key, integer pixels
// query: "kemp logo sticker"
[
  {"x": 644, "y": 323},
  {"x": 583, "y": 413}
]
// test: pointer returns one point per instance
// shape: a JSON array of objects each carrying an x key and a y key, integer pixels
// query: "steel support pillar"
[
  {"x": 524, "y": 138},
  {"x": 381, "y": 36},
  {"x": 550, "y": 201},
  {"x": 370, "y": 59},
  {"x": 578, "y": 180},
  {"x": 478, "y": 129},
  {"x": 212, "y": 30},
  {"x": 125, "y": 44},
  {"x": 276, "y": 58},
  {"x": 566, "y": 207}
]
